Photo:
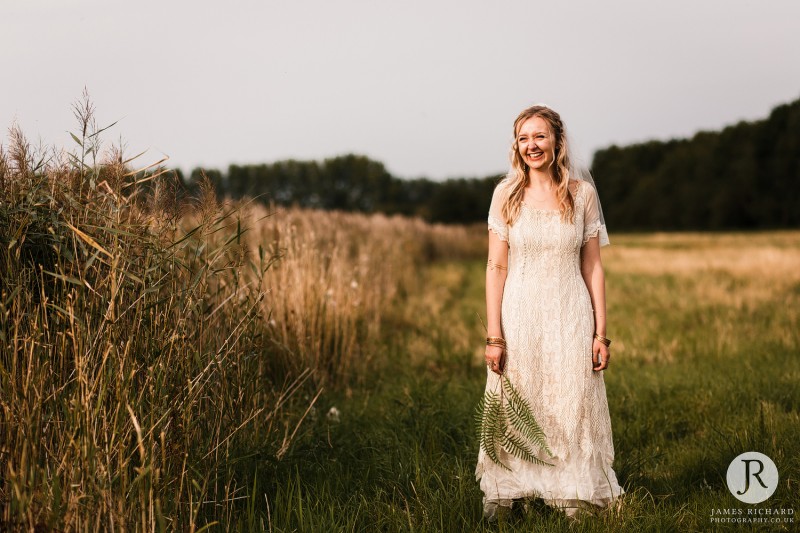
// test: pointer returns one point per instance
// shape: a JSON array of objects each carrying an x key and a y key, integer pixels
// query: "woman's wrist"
[
  {"x": 494, "y": 332},
  {"x": 600, "y": 327},
  {"x": 602, "y": 339},
  {"x": 599, "y": 322},
  {"x": 496, "y": 341}
]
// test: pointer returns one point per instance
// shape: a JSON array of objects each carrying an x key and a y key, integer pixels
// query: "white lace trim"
[
  {"x": 499, "y": 228},
  {"x": 596, "y": 230}
]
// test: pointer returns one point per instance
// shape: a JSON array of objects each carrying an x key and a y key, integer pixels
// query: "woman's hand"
[
  {"x": 600, "y": 356},
  {"x": 495, "y": 359}
]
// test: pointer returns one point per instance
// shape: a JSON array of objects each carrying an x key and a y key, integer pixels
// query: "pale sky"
[{"x": 430, "y": 88}]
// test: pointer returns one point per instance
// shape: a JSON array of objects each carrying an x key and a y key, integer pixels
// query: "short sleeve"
[
  {"x": 593, "y": 225},
  {"x": 496, "y": 221}
]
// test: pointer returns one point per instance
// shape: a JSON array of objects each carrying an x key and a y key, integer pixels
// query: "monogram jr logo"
[{"x": 752, "y": 477}]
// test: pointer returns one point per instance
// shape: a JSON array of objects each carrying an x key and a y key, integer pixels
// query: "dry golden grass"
[
  {"x": 123, "y": 351},
  {"x": 713, "y": 281},
  {"x": 336, "y": 276},
  {"x": 761, "y": 255},
  {"x": 762, "y": 264},
  {"x": 147, "y": 346}
]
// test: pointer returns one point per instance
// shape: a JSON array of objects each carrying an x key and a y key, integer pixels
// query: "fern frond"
[
  {"x": 521, "y": 417},
  {"x": 517, "y": 447},
  {"x": 492, "y": 428},
  {"x": 495, "y": 417}
]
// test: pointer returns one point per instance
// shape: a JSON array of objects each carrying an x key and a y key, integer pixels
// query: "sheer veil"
[
  {"x": 581, "y": 172},
  {"x": 578, "y": 169}
]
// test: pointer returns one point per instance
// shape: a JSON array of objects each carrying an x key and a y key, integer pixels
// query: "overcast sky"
[{"x": 430, "y": 88}]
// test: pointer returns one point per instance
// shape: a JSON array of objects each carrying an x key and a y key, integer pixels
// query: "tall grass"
[
  {"x": 133, "y": 353},
  {"x": 151, "y": 343},
  {"x": 338, "y": 275}
]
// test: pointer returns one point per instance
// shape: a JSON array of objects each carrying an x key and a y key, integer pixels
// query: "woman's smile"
[{"x": 535, "y": 156}]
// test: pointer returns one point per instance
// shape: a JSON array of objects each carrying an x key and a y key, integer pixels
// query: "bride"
[{"x": 545, "y": 306}]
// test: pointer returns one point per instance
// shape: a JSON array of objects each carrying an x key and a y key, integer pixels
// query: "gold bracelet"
[
  {"x": 602, "y": 339},
  {"x": 496, "y": 341},
  {"x": 491, "y": 264}
]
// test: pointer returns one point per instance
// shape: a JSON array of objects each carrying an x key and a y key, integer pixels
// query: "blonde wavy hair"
[{"x": 517, "y": 178}]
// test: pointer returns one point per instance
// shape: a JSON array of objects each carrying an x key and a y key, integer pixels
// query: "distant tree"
[
  {"x": 742, "y": 177},
  {"x": 461, "y": 200}
]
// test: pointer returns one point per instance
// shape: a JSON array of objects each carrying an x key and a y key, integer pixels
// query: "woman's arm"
[
  {"x": 594, "y": 277},
  {"x": 496, "y": 272}
]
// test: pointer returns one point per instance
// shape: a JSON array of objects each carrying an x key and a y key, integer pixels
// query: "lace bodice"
[{"x": 587, "y": 214}]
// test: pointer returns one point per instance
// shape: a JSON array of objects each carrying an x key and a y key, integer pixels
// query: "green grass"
[
  {"x": 158, "y": 374},
  {"x": 697, "y": 381}
]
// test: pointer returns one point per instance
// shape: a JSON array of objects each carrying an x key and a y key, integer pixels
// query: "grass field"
[
  {"x": 169, "y": 362},
  {"x": 705, "y": 366}
]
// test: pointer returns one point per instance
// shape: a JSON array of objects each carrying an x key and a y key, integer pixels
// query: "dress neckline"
[{"x": 541, "y": 210}]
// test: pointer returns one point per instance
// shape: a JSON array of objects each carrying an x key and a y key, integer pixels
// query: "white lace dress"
[{"x": 548, "y": 325}]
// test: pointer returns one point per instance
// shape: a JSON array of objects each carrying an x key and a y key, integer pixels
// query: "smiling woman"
[{"x": 545, "y": 302}]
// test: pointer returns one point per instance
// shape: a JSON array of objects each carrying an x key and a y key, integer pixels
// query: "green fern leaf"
[
  {"x": 505, "y": 423},
  {"x": 493, "y": 428},
  {"x": 522, "y": 419},
  {"x": 514, "y": 445},
  {"x": 519, "y": 448}
]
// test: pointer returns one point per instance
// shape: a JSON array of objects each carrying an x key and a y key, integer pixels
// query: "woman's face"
[{"x": 535, "y": 143}]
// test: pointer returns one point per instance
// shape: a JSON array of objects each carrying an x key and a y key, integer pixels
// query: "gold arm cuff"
[{"x": 492, "y": 265}]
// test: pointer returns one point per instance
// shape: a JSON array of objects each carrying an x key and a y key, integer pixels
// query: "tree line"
[
  {"x": 354, "y": 183},
  {"x": 743, "y": 177}
]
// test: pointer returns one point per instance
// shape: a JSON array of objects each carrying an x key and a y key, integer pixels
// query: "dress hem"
[{"x": 569, "y": 506}]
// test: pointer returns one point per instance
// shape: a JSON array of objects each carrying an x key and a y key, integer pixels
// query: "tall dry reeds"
[
  {"x": 132, "y": 350},
  {"x": 149, "y": 343},
  {"x": 338, "y": 274}
]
